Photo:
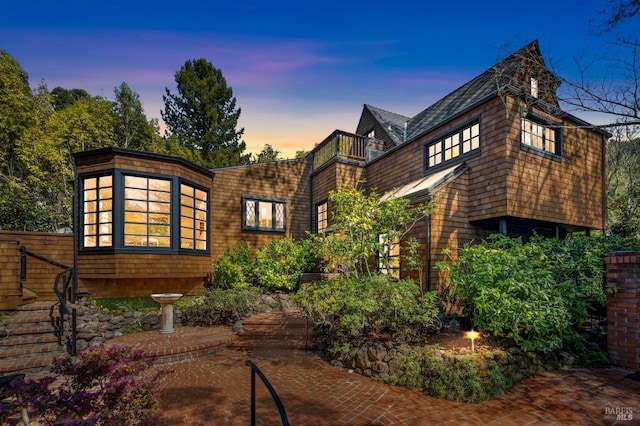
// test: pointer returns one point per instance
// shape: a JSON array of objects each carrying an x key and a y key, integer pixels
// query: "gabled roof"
[
  {"x": 460, "y": 100},
  {"x": 392, "y": 123}
]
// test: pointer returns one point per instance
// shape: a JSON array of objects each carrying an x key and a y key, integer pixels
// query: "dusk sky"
[{"x": 299, "y": 70}]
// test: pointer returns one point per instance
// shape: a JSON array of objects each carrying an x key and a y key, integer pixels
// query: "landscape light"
[{"x": 473, "y": 335}]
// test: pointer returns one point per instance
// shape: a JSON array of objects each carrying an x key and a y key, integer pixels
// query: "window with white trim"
[
  {"x": 540, "y": 136},
  {"x": 264, "y": 214}
]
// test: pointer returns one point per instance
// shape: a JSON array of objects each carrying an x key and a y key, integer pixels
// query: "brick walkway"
[{"x": 215, "y": 389}]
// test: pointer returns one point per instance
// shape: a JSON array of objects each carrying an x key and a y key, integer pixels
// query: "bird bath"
[{"x": 166, "y": 302}]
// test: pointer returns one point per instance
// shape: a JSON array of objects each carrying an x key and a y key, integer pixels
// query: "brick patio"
[{"x": 215, "y": 389}]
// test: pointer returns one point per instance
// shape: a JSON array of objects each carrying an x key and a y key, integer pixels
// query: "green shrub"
[
  {"x": 280, "y": 264},
  {"x": 369, "y": 305},
  {"x": 220, "y": 306},
  {"x": 506, "y": 287},
  {"x": 470, "y": 378},
  {"x": 235, "y": 267},
  {"x": 537, "y": 293}
]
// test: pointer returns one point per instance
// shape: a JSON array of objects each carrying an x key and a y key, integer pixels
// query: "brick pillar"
[{"x": 623, "y": 309}]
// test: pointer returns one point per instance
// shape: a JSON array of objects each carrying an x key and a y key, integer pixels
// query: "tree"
[
  {"x": 203, "y": 115},
  {"x": 131, "y": 128},
  {"x": 17, "y": 107},
  {"x": 267, "y": 155},
  {"x": 65, "y": 97},
  {"x": 365, "y": 226},
  {"x": 618, "y": 12},
  {"x": 624, "y": 186}
]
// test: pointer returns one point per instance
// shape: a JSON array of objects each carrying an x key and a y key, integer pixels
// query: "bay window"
[{"x": 131, "y": 211}]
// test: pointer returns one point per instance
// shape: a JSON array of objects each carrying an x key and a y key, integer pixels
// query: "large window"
[
  {"x": 264, "y": 214},
  {"x": 540, "y": 136},
  {"x": 322, "y": 217},
  {"x": 453, "y": 146},
  {"x": 147, "y": 212},
  {"x": 97, "y": 207},
  {"x": 127, "y": 211}
]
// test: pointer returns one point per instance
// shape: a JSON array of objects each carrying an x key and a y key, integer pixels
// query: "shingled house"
[{"x": 498, "y": 151}]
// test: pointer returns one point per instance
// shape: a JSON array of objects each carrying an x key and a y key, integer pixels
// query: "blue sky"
[{"x": 299, "y": 70}]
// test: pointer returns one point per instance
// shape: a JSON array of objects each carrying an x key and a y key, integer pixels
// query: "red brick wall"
[{"x": 623, "y": 309}]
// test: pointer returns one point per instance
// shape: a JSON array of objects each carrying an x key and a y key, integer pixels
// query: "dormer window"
[
  {"x": 371, "y": 134},
  {"x": 533, "y": 86}
]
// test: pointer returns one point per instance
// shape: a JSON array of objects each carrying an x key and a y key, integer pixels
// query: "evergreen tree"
[{"x": 203, "y": 115}]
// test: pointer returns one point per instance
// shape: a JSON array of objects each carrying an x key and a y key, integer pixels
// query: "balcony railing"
[{"x": 340, "y": 145}]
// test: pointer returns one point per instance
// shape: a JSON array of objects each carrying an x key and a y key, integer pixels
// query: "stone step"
[
  {"x": 272, "y": 319},
  {"x": 249, "y": 344},
  {"x": 31, "y": 317},
  {"x": 29, "y": 339},
  {"x": 285, "y": 333},
  {"x": 275, "y": 330},
  {"x": 38, "y": 306},
  {"x": 15, "y": 352},
  {"x": 30, "y": 365},
  {"x": 27, "y": 329}
]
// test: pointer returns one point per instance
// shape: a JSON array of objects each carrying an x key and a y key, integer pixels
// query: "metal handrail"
[
  {"x": 61, "y": 289},
  {"x": 255, "y": 370}
]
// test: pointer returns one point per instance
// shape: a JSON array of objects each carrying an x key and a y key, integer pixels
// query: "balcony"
[{"x": 339, "y": 144}]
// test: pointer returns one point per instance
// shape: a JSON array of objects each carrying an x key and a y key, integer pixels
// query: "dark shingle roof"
[
  {"x": 392, "y": 123},
  {"x": 459, "y": 101}
]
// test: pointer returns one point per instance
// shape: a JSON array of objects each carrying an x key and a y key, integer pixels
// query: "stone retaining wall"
[
  {"x": 95, "y": 327},
  {"x": 384, "y": 360}
]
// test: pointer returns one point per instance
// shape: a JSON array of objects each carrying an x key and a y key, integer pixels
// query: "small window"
[
  {"x": 322, "y": 219},
  {"x": 264, "y": 214},
  {"x": 533, "y": 86},
  {"x": 540, "y": 136},
  {"x": 389, "y": 255},
  {"x": 371, "y": 134}
]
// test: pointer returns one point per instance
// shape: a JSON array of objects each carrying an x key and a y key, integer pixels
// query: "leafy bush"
[
  {"x": 369, "y": 305},
  {"x": 235, "y": 267},
  {"x": 280, "y": 264},
  {"x": 537, "y": 293},
  {"x": 220, "y": 306},
  {"x": 455, "y": 379},
  {"x": 103, "y": 386}
]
